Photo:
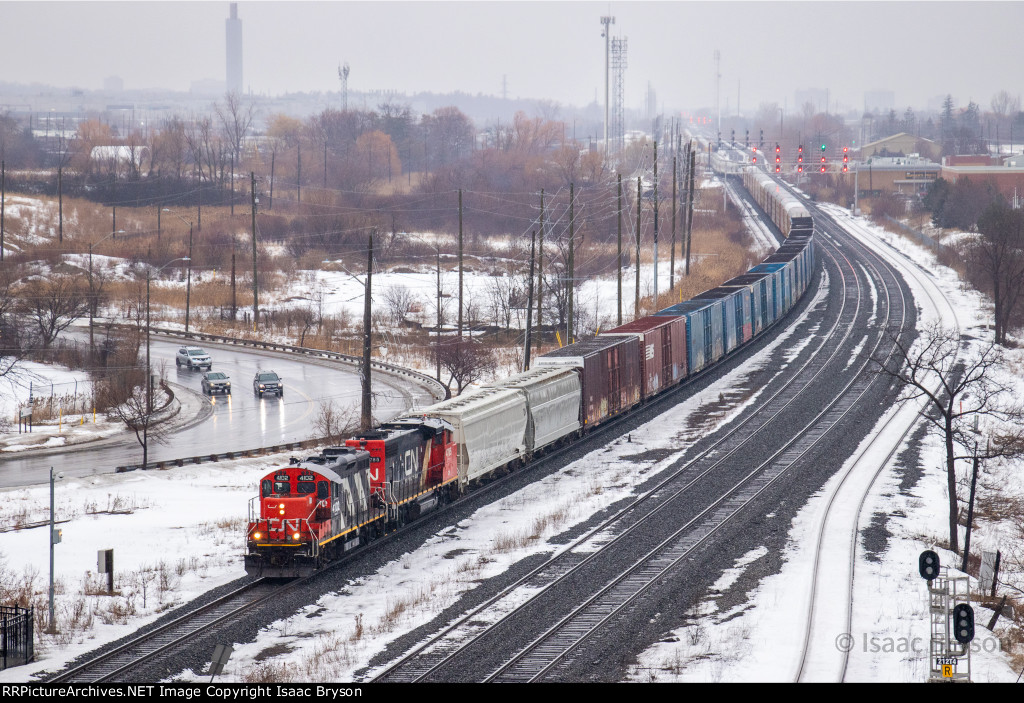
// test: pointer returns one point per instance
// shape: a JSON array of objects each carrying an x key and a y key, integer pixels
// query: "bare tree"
[
  {"x": 142, "y": 419},
  {"x": 400, "y": 303},
  {"x": 14, "y": 344},
  {"x": 998, "y": 256},
  {"x": 236, "y": 118},
  {"x": 336, "y": 424},
  {"x": 53, "y": 304},
  {"x": 466, "y": 360},
  {"x": 959, "y": 390}
]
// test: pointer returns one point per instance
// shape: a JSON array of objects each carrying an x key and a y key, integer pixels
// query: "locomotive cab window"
[
  {"x": 305, "y": 488},
  {"x": 282, "y": 488},
  {"x": 321, "y": 490},
  {"x": 265, "y": 486}
]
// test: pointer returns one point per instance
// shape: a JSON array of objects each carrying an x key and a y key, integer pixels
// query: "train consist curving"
[{"x": 315, "y": 510}]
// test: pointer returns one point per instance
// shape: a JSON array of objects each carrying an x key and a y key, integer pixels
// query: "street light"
[
  {"x": 188, "y": 283},
  {"x": 54, "y": 539},
  {"x": 149, "y": 378}
]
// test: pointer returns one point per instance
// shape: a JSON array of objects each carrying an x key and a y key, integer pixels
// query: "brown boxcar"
[
  {"x": 662, "y": 351},
  {"x": 610, "y": 371}
]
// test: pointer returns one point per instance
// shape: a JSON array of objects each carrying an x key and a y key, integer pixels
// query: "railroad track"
[
  {"x": 542, "y": 655},
  {"x": 166, "y": 637},
  {"x": 829, "y": 611}
]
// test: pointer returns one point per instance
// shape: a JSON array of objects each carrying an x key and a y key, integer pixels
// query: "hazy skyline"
[{"x": 545, "y": 50}]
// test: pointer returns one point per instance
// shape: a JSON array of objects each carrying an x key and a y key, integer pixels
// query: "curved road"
[{"x": 233, "y": 422}]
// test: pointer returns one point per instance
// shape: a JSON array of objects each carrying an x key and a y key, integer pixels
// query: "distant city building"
[
  {"x": 113, "y": 84},
  {"x": 904, "y": 174},
  {"x": 879, "y": 101},
  {"x": 233, "y": 36},
  {"x": 901, "y": 144},
  {"x": 1008, "y": 179}
]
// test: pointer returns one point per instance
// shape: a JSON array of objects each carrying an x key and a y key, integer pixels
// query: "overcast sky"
[{"x": 549, "y": 50}]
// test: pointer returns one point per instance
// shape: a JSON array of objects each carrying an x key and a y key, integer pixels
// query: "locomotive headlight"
[
  {"x": 296, "y": 537},
  {"x": 256, "y": 535}
]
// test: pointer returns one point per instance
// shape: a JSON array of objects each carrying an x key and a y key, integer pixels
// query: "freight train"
[{"x": 315, "y": 510}]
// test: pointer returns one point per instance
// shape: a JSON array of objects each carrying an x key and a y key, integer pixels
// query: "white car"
[{"x": 193, "y": 358}]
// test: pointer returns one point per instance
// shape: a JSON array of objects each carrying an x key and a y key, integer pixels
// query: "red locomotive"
[{"x": 312, "y": 511}]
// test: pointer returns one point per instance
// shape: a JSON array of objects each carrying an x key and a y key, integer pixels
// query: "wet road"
[{"x": 238, "y": 421}]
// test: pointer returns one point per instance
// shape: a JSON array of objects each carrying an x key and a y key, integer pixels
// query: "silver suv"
[
  {"x": 216, "y": 382},
  {"x": 193, "y": 358}
]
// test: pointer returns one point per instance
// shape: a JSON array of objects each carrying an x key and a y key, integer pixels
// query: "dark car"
[
  {"x": 267, "y": 382},
  {"x": 216, "y": 382}
]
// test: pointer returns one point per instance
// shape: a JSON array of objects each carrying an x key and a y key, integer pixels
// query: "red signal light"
[{"x": 823, "y": 169}]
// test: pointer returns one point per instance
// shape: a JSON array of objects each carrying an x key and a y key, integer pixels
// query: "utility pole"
[
  {"x": 540, "y": 275},
  {"x": 656, "y": 223},
  {"x": 618, "y": 260},
  {"x": 255, "y": 287},
  {"x": 298, "y": 177},
  {"x": 636, "y": 294},
  {"x": 366, "y": 419},
  {"x": 675, "y": 206},
  {"x": 234, "y": 296},
  {"x": 689, "y": 208},
  {"x": 3, "y": 203},
  {"x": 188, "y": 284},
  {"x": 159, "y": 210},
  {"x": 460, "y": 263},
  {"x": 114, "y": 216},
  {"x": 570, "y": 290},
  {"x": 273, "y": 158},
  {"x": 232, "y": 202},
  {"x": 60, "y": 205},
  {"x": 53, "y": 541},
  {"x": 437, "y": 354},
  {"x": 529, "y": 301}
]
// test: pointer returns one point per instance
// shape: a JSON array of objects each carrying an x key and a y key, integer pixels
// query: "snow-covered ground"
[
  {"x": 889, "y": 639},
  {"x": 180, "y": 532},
  {"x": 193, "y": 518}
]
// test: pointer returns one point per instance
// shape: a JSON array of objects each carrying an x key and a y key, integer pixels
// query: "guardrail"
[
  {"x": 431, "y": 384},
  {"x": 203, "y": 458},
  {"x": 433, "y": 387}
]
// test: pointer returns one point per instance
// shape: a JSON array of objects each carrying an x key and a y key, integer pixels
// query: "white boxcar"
[
  {"x": 553, "y": 398},
  {"x": 490, "y": 429}
]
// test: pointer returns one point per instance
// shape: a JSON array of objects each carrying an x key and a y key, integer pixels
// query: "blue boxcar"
[
  {"x": 776, "y": 292},
  {"x": 704, "y": 340}
]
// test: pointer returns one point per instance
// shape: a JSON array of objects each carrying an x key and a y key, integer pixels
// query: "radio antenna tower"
[
  {"x": 343, "y": 75},
  {"x": 606, "y": 23},
  {"x": 618, "y": 126},
  {"x": 718, "y": 89}
]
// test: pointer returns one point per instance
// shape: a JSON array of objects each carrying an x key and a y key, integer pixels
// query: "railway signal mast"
[{"x": 952, "y": 621}]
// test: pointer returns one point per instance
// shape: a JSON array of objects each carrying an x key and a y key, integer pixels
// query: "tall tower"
[
  {"x": 233, "y": 36},
  {"x": 343, "y": 75},
  {"x": 618, "y": 120},
  {"x": 606, "y": 23}
]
